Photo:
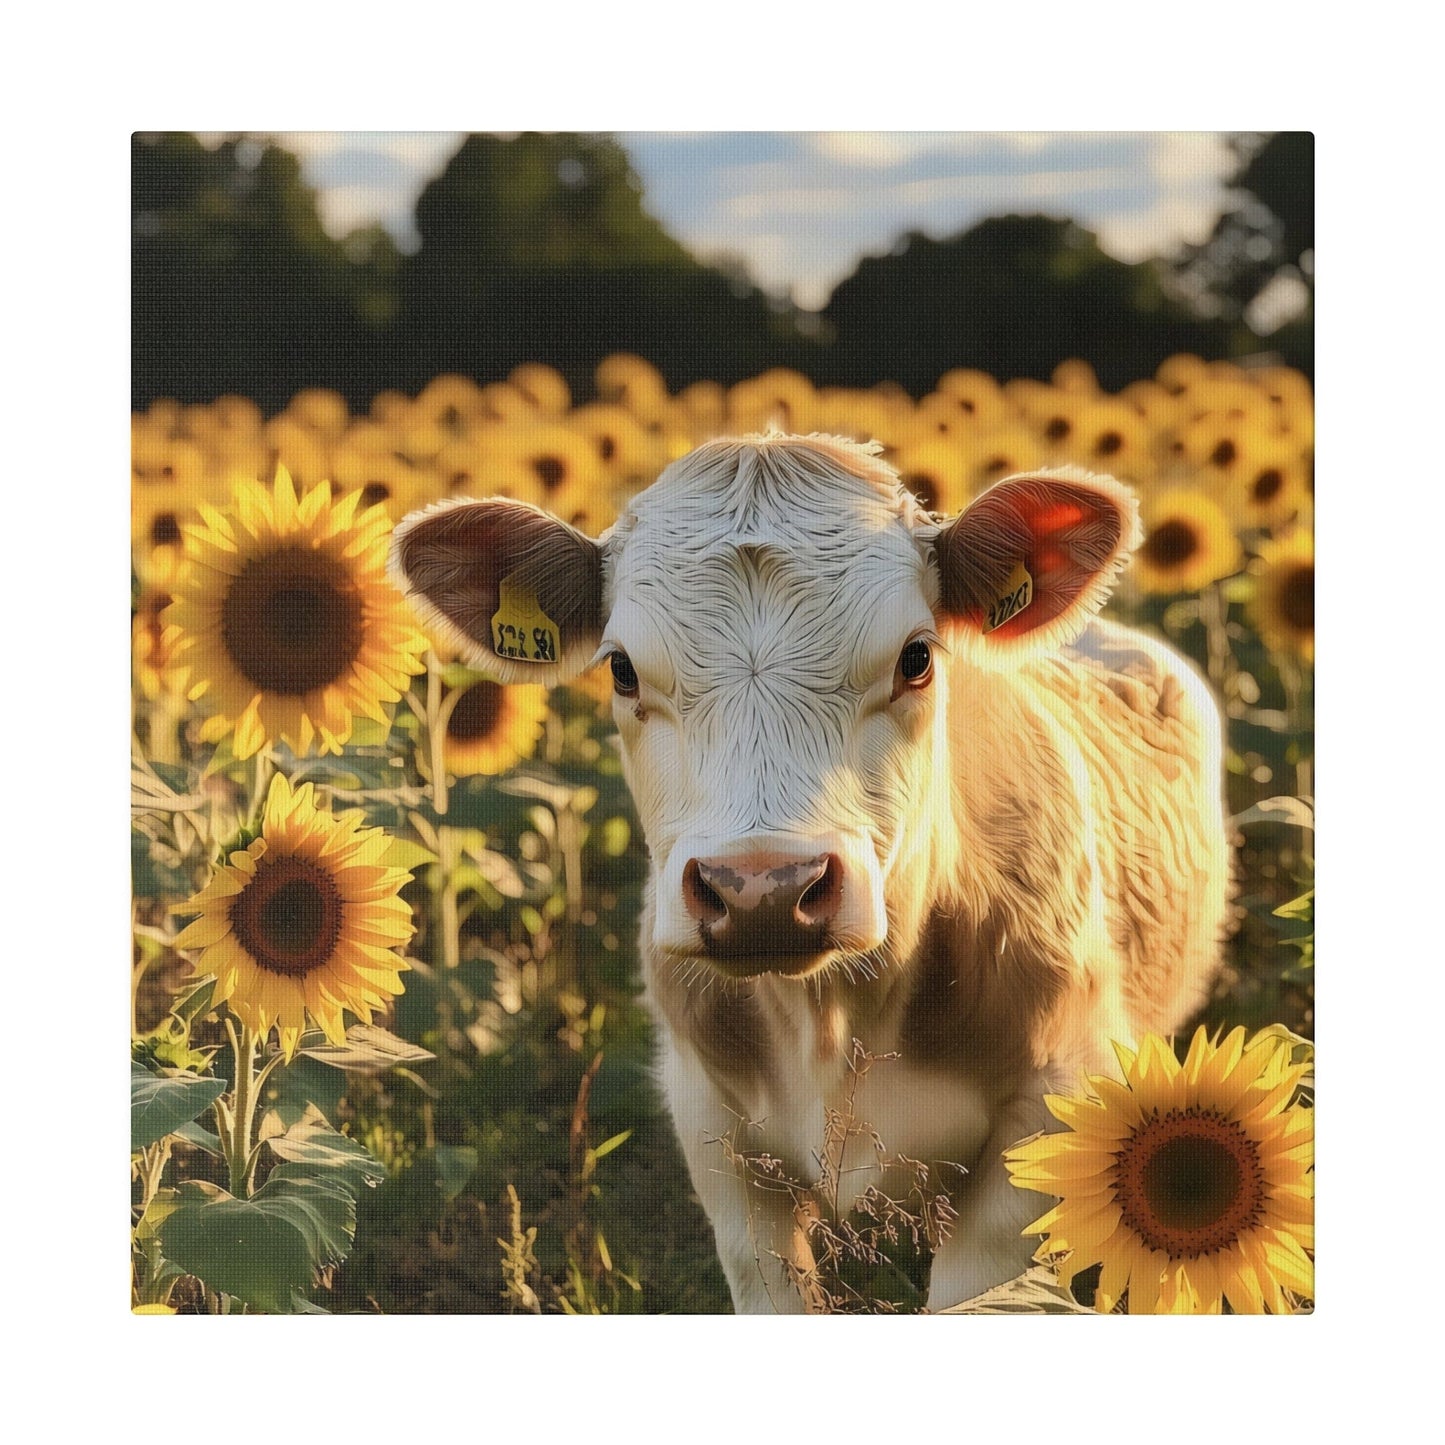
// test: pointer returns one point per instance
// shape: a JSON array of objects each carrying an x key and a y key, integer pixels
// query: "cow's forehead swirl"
[{"x": 792, "y": 562}]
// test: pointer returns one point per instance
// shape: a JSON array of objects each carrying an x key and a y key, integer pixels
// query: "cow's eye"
[
  {"x": 624, "y": 675},
  {"x": 915, "y": 663}
]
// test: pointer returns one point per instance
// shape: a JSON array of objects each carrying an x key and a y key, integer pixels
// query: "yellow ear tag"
[
  {"x": 520, "y": 628},
  {"x": 1018, "y": 593}
]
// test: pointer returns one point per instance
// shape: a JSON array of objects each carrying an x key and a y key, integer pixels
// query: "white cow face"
[{"x": 778, "y": 618}]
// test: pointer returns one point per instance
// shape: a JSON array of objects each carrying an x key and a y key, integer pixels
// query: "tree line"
[{"x": 539, "y": 248}]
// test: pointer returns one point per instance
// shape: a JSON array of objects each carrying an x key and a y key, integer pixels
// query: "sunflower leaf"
[
  {"x": 455, "y": 1165},
  {"x": 457, "y": 675},
  {"x": 196, "y": 1003},
  {"x": 314, "y": 1143},
  {"x": 368, "y": 1050},
  {"x": 266, "y": 1249},
  {"x": 160, "y": 1106},
  {"x": 201, "y": 1138}
]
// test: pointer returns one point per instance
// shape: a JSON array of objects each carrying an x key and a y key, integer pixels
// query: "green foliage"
[
  {"x": 160, "y": 1106},
  {"x": 368, "y": 1049},
  {"x": 267, "y": 1250}
]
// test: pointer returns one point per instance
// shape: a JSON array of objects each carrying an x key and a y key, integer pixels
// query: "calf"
[{"x": 900, "y": 785}]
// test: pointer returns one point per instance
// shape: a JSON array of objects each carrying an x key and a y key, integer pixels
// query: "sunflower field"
[{"x": 388, "y": 1051}]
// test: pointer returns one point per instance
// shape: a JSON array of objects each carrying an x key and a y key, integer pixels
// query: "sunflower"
[
  {"x": 305, "y": 919},
  {"x": 1273, "y": 487},
  {"x": 1188, "y": 543},
  {"x": 779, "y": 397},
  {"x": 304, "y": 453},
  {"x": 490, "y": 726},
  {"x": 1190, "y": 1183},
  {"x": 976, "y": 393},
  {"x": 151, "y": 646},
  {"x": 633, "y": 383},
  {"x": 1076, "y": 376},
  {"x": 320, "y": 411},
  {"x": 543, "y": 386},
  {"x": 623, "y": 447},
  {"x": 936, "y": 472},
  {"x": 1284, "y": 601},
  {"x": 1000, "y": 452},
  {"x": 289, "y": 627},
  {"x": 449, "y": 401}
]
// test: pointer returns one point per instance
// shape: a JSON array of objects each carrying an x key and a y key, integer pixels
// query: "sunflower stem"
[
  {"x": 263, "y": 767},
  {"x": 244, "y": 1094},
  {"x": 448, "y": 920},
  {"x": 436, "y": 734},
  {"x": 1291, "y": 677},
  {"x": 1211, "y": 613}
]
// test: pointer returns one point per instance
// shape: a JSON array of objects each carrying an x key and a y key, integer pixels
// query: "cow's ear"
[
  {"x": 517, "y": 591},
  {"x": 1026, "y": 565}
]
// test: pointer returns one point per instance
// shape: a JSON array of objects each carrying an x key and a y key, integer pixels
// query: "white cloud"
[
  {"x": 1157, "y": 230},
  {"x": 344, "y": 209},
  {"x": 1185, "y": 157}
]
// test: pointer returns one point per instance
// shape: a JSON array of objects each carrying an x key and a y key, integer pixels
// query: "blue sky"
[{"x": 801, "y": 207}]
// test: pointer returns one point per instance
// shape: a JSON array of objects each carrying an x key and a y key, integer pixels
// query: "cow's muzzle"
[
  {"x": 769, "y": 910},
  {"x": 761, "y": 905}
]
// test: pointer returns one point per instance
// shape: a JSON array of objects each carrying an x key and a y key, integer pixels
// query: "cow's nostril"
[
  {"x": 703, "y": 901},
  {"x": 821, "y": 900}
]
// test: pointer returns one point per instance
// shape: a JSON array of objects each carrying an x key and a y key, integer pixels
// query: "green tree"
[
  {"x": 1267, "y": 237},
  {"x": 1013, "y": 296},
  {"x": 236, "y": 285},
  {"x": 538, "y": 248}
]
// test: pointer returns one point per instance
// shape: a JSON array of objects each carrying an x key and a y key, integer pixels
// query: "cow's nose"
[{"x": 760, "y": 904}]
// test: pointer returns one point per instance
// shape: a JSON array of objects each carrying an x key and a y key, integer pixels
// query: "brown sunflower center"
[
  {"x": 165, "y": 530},
  {"x": 551, "y": 471},
  {"x": 289, "y": 916},
  {"x": 1267, "y": 484},
  {"x": 1224, "y": 453},
  {"x": 374, "y": 492},
  {"x": 1108, "y": 444},
  {"x": 1058, "y": 428},
  {"x": 292, "y": 621},
  {"x": 1189, "y": 1182},
  {"x": 1297, "y": 600},
  {"x": 476, "y": 712},
  {"x": 1171, "y": 544},
  {"x": 923, "y": 487}
]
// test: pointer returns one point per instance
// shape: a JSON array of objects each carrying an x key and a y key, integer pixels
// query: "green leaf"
[
  {"x": 197, "y": 1003},
  {"x": 266, "y": 1249},
  {"x": 161, "y": 1106},
  {"x": 456, "y": 1163},
  {"x": 1301, "y": 907},
  {"x": 150, "y": 793},
  {"x": 458, "y": 675},
  {"x": 368, "y": 1050},
  {"x": 608, "y": 1145},
  {"x": 303, "y": 1084},
  {"x": 201, "y": 1137},
  {"x": 314, "y": 1143},
  {"x": 403, "y": 853},
  {"x": 366, "y": 732}
]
